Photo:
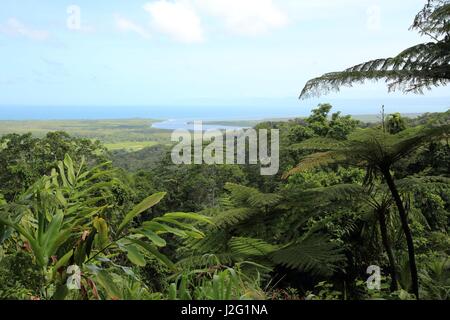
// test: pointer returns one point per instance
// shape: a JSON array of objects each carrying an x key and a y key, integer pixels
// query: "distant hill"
[{"x": 369, "y": 118}]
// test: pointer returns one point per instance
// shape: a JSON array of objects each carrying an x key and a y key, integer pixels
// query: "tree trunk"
[
  {"x": 388, "y": 248},
  {"x": 406, "y": 230}
]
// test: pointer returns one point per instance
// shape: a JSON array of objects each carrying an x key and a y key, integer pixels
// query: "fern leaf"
[
  {"x": 316, "y": 255},
  {"x": 251, "y": 247}
]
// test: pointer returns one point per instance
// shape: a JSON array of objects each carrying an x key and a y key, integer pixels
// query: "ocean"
[{"x": 261, "y": 109}]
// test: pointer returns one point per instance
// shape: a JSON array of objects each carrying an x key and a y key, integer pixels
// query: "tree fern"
[
  {"x": 370, "y": 148},
  {"x": 233, "y": 217},
  {"x": 235, "y": 231},
  {"x": 413, "y": 70},
  {"x": 315, "y": 254},
  {"x": 249, "y": 247},
  {"x": 242, "y": 195}
]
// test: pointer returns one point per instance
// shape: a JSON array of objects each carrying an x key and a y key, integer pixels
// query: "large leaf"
[
  {"x": 62, "y": 262},
  {"x": 143, "y": 206},
  {"x": 107, "y": 282},
  {"x": 51, "y": 235},
  {"x": 153, "y": 237},
  {"x": 188, "y": 216},
  {"x": 70, "y": 169},
  {"x": 102, "y": 229},
  {"x": 154, "y": 251},
  {"x": 135, "y": 256}
]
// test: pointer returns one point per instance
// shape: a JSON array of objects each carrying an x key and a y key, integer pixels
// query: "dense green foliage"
[{"x": 308, "y": 233}]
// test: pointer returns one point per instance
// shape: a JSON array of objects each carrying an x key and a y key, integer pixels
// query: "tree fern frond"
[
  {"x": 338, "y": 192},
  {"x": 247, "y": 196},
  {"x": 251, "y": 247},
  {"x": 232, "y": 217},
  {"x": 415, "y": 69},
  {"x": 412, "y": 139},
  {"x": 316, "y": 160},
  {"x": 205, "y": 260},
  {"x": 213, "y": 242},
  {"x": 316, "y": 255},
  {"x": 434, "y": 19},
  {"x": 414, "y": 81},
  {"x": 225, "y": 202},
  {"x": 437, "y": 182}
]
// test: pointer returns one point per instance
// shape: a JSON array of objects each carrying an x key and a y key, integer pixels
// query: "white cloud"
[
  {"x": 177, "y": 20},
  {"x": 189, "y": 20},
  {"x": 126, "y": 25},
  {"x": 246, "y": 17},
  {"x": 15, "y": 28}
]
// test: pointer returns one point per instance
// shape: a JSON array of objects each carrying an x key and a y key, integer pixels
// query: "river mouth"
[{"x": 187, "y": 124}]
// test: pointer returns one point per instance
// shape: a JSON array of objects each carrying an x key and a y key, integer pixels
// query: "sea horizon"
[{"x": 260, "y": 110}]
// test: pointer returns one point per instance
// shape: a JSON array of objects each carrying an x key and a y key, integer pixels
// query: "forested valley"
[{"x": 224, "y": 231}]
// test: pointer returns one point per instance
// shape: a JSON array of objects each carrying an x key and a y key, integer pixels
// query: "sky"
[{"x": 186, "y": 52}]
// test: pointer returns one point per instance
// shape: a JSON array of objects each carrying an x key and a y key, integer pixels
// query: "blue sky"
[{"x": 183, "y": 52}]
